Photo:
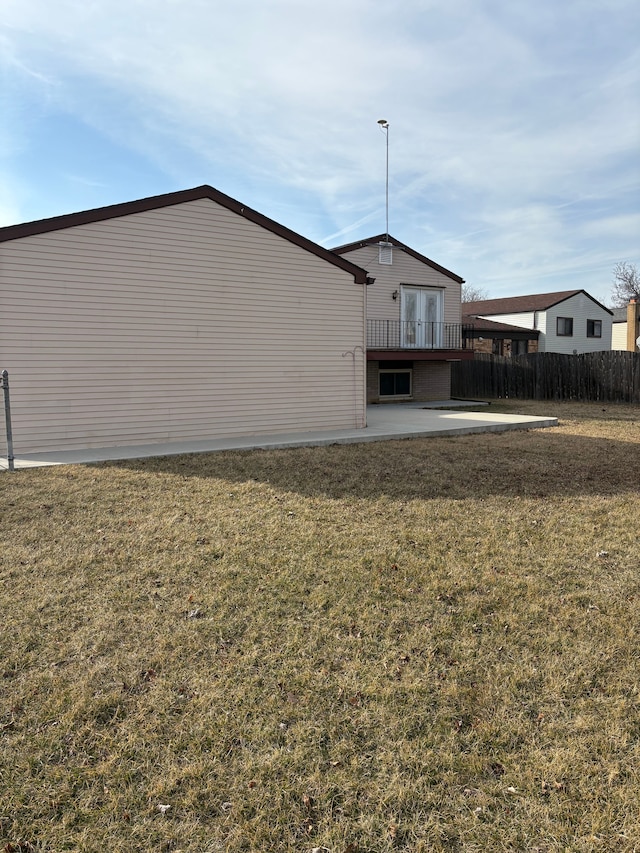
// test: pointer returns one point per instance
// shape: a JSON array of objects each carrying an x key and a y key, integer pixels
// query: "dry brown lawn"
[{"x": 422, "y": 645}]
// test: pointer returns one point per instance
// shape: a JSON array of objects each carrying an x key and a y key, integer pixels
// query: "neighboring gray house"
[
  {"x": 414, "y": 329},
  {"x": 184, "y": 316},
  {"x": 569, "y": 321}
]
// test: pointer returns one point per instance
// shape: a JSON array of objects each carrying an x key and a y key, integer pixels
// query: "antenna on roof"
[
  {"x": 385, "y": 251},
  {"x": 384, "y": 127}
]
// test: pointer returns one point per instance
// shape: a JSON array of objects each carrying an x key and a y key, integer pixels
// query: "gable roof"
[
  {"x": 384, "y": 238},
  {"x": 113, "y": 211},
  {"x": 523, "y": 304}
]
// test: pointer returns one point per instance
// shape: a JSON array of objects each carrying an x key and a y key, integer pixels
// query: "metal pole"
[
  {"x": 7, "y": 416},
  {"x": 384, "y": 127},
  {"x": 387, "y": 186}
]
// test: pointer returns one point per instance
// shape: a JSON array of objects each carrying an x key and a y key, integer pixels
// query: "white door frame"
[{"x": 421, "y": 314}]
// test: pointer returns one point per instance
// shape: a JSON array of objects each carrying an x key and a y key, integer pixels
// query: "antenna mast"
[{"x": 384, "y": 127}]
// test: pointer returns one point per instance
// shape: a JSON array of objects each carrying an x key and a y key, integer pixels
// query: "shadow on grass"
[{"x": 537, "y": 463}]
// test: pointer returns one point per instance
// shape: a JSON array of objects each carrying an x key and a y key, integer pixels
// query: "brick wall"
[
  {"x": 431, "y": 380},
  {"x": 372, "y": 382},
  {"x": 486, "y": 345}
]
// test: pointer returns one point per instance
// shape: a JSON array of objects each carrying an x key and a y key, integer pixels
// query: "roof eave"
[
  {"x": 522, "y": 304},
  {"x": 383, "y": 238},
  {"x": 114, "y": 211}
]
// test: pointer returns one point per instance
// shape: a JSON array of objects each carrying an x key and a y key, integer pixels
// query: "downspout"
[{"x": 369, "y": 280}]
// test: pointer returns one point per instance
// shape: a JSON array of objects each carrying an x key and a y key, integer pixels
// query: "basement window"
[
  {"x": 564, "y": 327},
  {"x": 594, "y": 328},
  {"x": 395, "y": 383}
]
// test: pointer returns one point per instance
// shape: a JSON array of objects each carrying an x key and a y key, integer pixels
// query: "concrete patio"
[{"x": 384, "y": 422}]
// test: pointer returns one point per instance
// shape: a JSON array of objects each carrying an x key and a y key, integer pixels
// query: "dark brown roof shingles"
[{"x": 518, "y": 304}]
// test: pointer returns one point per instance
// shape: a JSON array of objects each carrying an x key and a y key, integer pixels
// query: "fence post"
[{"x": 7, "y": 417}]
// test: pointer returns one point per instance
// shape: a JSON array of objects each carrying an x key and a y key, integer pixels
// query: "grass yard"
[{"x": 422, "y": 645}]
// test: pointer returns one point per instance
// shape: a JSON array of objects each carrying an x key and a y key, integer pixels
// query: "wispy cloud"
[{"x": 512, "y": 126}]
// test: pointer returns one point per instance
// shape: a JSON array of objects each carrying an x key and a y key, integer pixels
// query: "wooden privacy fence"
[{"x": 606, "y": 376}]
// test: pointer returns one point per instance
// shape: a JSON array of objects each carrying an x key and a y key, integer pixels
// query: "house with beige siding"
[
  {"x": 625, "y": 333},
  {"x": 569, "y": 321},
  {"x": 414, "y": 329},
  {"x": 184, "y": 316}
]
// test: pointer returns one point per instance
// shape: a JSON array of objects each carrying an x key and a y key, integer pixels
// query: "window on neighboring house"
[
  {"x": 564, "y": 327},
  {"x": 519, "y": 347},
  {"x": 395, "y": 383},
  {"x": 594, "y": 328}
]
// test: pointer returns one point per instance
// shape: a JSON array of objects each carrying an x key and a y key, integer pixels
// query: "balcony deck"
[{"x": 416, "y": 339}]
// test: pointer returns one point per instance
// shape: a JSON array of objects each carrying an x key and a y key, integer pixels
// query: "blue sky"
[{"x": 514, "y": 139}]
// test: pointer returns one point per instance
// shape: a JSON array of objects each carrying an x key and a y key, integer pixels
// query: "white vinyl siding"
[
  {"x": 182, "y": 323},
  {"x": 580, "y": 308},
  {"x": 523, "y": 319}
]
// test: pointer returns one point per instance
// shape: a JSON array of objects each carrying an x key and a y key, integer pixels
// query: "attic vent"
[{"x": 385, "y": 253}]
